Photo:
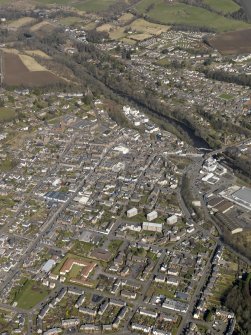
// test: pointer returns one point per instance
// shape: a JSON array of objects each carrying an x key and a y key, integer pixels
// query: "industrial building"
[
  {"x": 56, "y": 196},
  {"x": 243, "y": 196}
]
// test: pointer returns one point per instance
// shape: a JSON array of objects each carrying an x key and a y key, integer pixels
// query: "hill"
[{"x": 211, "y": 16}]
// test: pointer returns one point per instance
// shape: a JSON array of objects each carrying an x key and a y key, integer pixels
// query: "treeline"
[
  {"x": 237, "y": 161},
  {"x": 219, "y": 75},
  {"x": 238, "y": 300},
  {"x": 222, "y": 125}
]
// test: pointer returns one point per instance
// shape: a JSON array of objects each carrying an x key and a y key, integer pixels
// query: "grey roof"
[{"x": 244, "y": 194}]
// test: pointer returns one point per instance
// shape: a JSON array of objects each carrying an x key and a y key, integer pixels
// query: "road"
[{"x": 195, "y": 296}]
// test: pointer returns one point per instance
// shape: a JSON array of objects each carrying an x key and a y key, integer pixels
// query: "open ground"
[
  {"x": 183, "y": 14},
  {"x": 238, "y": 42}
]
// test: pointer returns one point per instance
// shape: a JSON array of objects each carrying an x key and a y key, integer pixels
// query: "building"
[
  {"x": 243, "y": 196},
  {"x": 48, "y": 265},
  {"x": 145, "y": 312},
  {"x": 172, "y": 219},
  {"x": 68, "y": 264},
  {"x": 53, "y": 331},
  {"x": 87, "y": 311},
  {"x": 172, "y": 281},
  {"x": 175, "y": 305},
  {"x": 151, "y": 226},
  {"x": 141, "y": 328},
  {"x": 67, "y": 323},
  {"x": 132, "y": 212},
  {"x": 152, "y": 216},
  {"x": 56, "y": 197}
]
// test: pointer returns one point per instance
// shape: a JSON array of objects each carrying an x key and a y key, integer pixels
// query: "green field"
[
  {"x": 70, "y": 20},
  {"x": 223, "y": 6},
  {"x": 7, "y": 114},
  {"x": 30, "y": 294},
  {"x": 85, "y": 5},
  {"x": 180, "y": 13},
  {"x": 226, "y": 96},
  {"x": 94, "y": 5},
  {"x": 7, "y": 164}
]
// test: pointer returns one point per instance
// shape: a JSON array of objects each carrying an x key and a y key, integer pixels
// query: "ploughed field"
[
  {"x": 232, "y": 43},
  {"x": 17, "y": 74}
]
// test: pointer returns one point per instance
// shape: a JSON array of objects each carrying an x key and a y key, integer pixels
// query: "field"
[
  {"x": 140, "y": 37},
  {"x": 180, "y": 13},
  {"x": 226, "y": 96},
  {"x": 30, "y": 294},
  {"x": 31, "y": 64},
  {"x": 232, "y": 43},
  {"x": 223, "y": 6},
  {"x": 85, "y": 5},
  {"x": 141, "y": 29},
  {"x": 125, "y": 18},
  {"x": 24, "y": 21},
  {"x": 94, "y": 5},
  {"x": 70, "y": 20},
  {"x": 30, "y": 73},
  {"x": 90, "y": 26},
  {"x": 38, "y": 53},
  {"x": 143, "y": 26},
  {"x": 44, "y": 25},
  {"x": 6, "y": 114},
  {"x": 107, "y": 27}
]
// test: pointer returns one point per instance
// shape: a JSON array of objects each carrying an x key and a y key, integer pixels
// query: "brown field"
[
  {"x": 105, "y": 27},
  {"x": 126, "y": 18},
  {"x": 90, "y": 26},
  {"x": 145, "y": 27},
  {"x": 17, "y": 74},
  {"x": 31, "y": 64},
  {"x": 24, "y": 21},
  {"x": 38, "y": 53},
  {"x": 232, "y": 43},
  {"x": 44, "y": 25},
  {"x": 140, "y": 37},
  {"x": 141, "y": 28}
]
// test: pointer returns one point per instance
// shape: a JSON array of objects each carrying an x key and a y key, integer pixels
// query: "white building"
[
  {"x": 132, "y": 212},
  {"x": 151, "y": 226},
  {"x": 152, "y": 216},
  {"x": 172, "y": 219}
]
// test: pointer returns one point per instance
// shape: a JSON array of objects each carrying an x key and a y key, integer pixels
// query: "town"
[{"x": 121, "y": 215}]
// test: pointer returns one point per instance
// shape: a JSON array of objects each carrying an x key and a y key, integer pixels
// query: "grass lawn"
[
  {"x": 226, "y": 96},
  {"x": 82, "y": 248},
  {"x": 7, "y": 114},
  {"x": 7, "y": 165},
  {"x": 180, "y": 13},
  {"x": 30, "y": 294},
  {"x": 114, "y": 246},
  {"x": 75, "y": 271},
  {"x": 223, "y": 6}
]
